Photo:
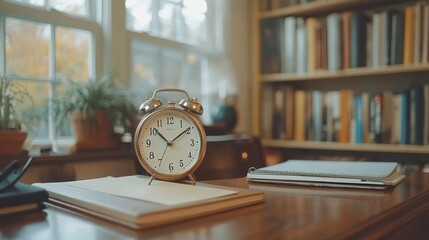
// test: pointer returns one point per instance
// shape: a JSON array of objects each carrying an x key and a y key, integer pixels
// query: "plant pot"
[
  {"x": 11, "y": 142},
  {"x": 94, "y": 133}
]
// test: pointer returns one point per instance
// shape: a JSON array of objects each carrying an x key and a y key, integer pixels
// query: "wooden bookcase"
[{"x": 360, "y": 79}]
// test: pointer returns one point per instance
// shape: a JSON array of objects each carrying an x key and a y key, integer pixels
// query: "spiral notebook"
[{"x": 368, "y": 175}]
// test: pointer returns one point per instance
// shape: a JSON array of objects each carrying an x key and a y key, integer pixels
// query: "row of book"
[
  {"x": 267, "y": 5},
  {"x": 344, "y": 40},
  {"x": 346, "y": 116}
]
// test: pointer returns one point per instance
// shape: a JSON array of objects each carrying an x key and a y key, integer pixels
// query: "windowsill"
[{"x": 124, "y": 152}]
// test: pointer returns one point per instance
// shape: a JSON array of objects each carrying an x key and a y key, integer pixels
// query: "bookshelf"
[{"x": 370, "y": 78}]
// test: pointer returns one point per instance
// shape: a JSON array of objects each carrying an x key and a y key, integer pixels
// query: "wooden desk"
[{"x": 287, "y": 213}]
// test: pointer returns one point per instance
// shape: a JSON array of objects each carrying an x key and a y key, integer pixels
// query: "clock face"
[{"x": 170, "y": 143}]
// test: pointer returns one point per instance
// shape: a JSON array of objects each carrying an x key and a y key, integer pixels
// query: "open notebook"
[
  {"x": 130, "y": 201},
  {"x": 377, "y": 175}
]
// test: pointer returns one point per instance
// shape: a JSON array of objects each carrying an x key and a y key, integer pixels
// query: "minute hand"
[{"x": 181, "y": 134}]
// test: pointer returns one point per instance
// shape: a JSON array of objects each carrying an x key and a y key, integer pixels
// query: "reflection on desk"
[{"x": 288, "y": 212}]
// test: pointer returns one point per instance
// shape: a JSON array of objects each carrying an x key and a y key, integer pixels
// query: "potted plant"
[
  {"x": 95, "y": 107},
  {"x": 11, "y": 136}
]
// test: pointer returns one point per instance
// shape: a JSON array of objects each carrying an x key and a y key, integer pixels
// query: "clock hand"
[
  {"x": 162, "y": 157},
  {"x": 180, "y": 134},
  {"x": 162, "y": 136}
]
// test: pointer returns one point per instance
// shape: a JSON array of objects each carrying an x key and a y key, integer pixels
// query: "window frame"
[{"x": 54, "y": 19}]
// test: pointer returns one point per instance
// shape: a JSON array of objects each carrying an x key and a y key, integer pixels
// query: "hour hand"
[{"x": 162, "y": 136}]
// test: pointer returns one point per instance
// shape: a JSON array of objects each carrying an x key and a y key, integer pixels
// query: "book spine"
[
  {"x": 409, "y": 35},
  {"x": 397, "y": 37},
  {"x": 290, "y": 44},
  {"x": 358, "y": 40},
  {"x": 334, "y": 41}
]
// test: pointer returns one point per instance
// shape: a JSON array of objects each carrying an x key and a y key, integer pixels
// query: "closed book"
[
  {"x": 317, "y": 115},
  {"x": 131, "y": 202},
  {"x": 271, "y": 46},
  {"x": 387, "y": 37},
  {"x": 278, "y": 114},
  {"x": 365, "y": 117},
  {"x": 299, "y": 115},
  {"x": 346, "y": 108},
  {"x": 301, "y": 45},
  {"x": 290, "y": 44},
  {"x": 311, "y": 23},
  {"x": 425, "y": 37},
  {"x": 22, "y": 197},
  {"x": 397, "y": 38},
  {"x": 405, "y": 117},
  {"x": 333, "y": 22},
  {"x": 426, "y": 114},
  {"x": 396, "y": 119},
  {"x": 346, "y": 38},
  {"x": 378, "y": 175},
  {"x": 358, "y": 119},
  {"x": 333, "y": 115},
  {"x": 288, "y": 111},
  {"x": 376, "y": 39},
  {"x": 309, "y": 127},
  {"x": 376, "y": 118},
  {"x": 418, "y": 31},
  {"x": 267, "y": 110},
  {"x": 416, "y": 115},
  {"x": 358, "y": 40},
  {"x": 386, "y": 117},
  {"x": 409, "y": 35}
]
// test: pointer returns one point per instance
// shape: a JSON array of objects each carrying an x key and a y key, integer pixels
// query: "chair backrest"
[
  {"x": 227, "y": 156},
  {"x": 230, "y": 156}
]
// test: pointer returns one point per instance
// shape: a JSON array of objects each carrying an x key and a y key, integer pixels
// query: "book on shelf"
[
  {"x": 348, "y": 39},
  {"x": 357, "y": 39},
  {"x": 130, "y": 201},
  {"x": 271, "y": 45},
  {"x": 333, "y": 22},
  {"x": 22, "y": 198},
  {"x": 425, "y": 37},
  {"x": 348, "y": 116},
  {"x": 290, "y": 44},
  {"x": 409, "y": 35},
  {"x": 299, "y": 115},
  {"x": 346, "y": 174},
  {"x": 397, "y": 37},
  {"x": 301, "y": 45},
  {"x": 311, "y": 23}
]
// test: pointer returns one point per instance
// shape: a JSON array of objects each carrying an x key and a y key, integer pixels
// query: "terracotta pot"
[
  {"x": 11, "y": 142},
  {"x": 93, "y": 133}
]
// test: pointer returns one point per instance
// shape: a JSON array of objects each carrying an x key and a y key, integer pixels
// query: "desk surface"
[{"x": 288, "y": 212}]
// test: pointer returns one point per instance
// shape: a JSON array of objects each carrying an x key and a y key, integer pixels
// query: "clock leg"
[
  {"x": 151, "y": 179},
  {"x": 192, "y": 178}
]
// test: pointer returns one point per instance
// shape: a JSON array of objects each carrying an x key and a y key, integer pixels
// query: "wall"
[{"x": 237, "y": 44}]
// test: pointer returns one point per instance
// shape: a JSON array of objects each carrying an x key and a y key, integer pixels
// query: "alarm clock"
[{"x": 170, "y": 142}]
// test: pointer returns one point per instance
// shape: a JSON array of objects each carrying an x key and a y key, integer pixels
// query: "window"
[
  {"x": 39, "y": 52},
  {"x": 43, "y": 42},
  {"x": 179, "y": 20},
  {"x": 173, "y": 44}
]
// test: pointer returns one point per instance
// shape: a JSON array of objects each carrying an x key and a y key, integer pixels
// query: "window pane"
[
  {"x": 64, "y": 131},
  {"x": 194, "y": 15},
  {"x": 139, "y": 15},
  {"x": 155, "y": 67},
  {"x": 145, "y": 69},
  {"x": 72, "y": 53},
  {"x": 74, "y": 7},
  {"x": 27, "y": 48},
  {"x": 38, "y": 3},
  {"x": 35, "y": 108},
  {"x": 169, "y": 20}
]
